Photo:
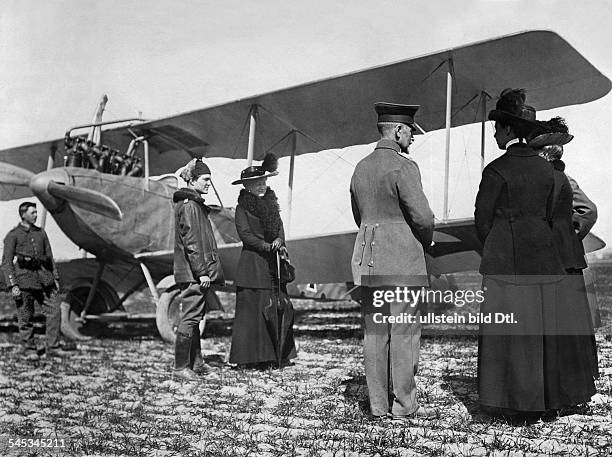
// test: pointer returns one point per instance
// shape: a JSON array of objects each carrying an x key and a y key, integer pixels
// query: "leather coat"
[{"x": 195, "y": 247}]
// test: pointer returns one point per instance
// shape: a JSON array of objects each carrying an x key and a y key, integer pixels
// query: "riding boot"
[
  {"x": 199, "y": 366},
  {"x": 182, "y": 351}
]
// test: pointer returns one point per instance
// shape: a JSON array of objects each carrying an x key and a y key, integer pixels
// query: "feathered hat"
[
  {"x": 511, "y": 109},
  {"x": 266, "y": 169},
  {"x": 554, "y": 131}
]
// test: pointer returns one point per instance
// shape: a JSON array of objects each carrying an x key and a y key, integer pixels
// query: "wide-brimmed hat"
[
  {"x": 511, "y": 109},
  {"x": 553, "y": 131},
  {"x": 395, "y": 112},
  {"x": 252, "y": 173},
  {"x": 546, "y": 139}
]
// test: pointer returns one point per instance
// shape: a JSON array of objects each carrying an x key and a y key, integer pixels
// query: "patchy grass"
[{"x": 116, "y": 396}]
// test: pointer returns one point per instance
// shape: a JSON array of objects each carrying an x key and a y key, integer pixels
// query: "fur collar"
[
  {"x": 266, "y": 209},
  {"x": 189, "y": 194}
]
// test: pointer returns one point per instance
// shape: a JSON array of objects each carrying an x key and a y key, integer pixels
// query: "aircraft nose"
[{"x": 39, "y": 185}]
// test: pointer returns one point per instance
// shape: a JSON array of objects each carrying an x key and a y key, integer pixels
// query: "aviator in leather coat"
[{"x": 195, "y": 247}]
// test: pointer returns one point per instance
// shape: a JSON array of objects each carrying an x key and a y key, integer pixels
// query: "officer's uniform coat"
[{"x": 394, "y": 218}]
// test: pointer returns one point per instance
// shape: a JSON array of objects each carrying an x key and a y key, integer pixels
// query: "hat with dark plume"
[
  {"x": 511, "y": 110},
  {"x": 553, "y": 131},
  {"x": 270, "y": 162},
  {"x": 267, "y": 168},
  {"x": 395, "y": 112}
]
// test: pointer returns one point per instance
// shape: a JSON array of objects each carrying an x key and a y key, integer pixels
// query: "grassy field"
[{"x": 116, "y": 396}]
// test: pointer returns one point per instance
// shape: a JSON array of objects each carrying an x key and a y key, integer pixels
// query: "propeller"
[
  {"x": 12, "y": 174},
  {"x": 90, "y": 200}
]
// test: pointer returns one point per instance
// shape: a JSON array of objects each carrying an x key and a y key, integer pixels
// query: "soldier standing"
[
  {"x": 30, "y": 272},
  {"x": 395, "y": 224}
]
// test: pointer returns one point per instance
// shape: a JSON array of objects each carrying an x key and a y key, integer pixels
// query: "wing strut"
[
  {"x": 293, "y": 142},
  {"x": 252, "y": 127},
  {"x": 449, "y": 103}
]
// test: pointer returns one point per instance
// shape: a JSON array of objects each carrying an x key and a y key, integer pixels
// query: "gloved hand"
[{"x": 276, "y": 245}]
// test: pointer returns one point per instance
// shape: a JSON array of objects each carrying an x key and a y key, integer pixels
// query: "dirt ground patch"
[{"x": 116, "y": 396}]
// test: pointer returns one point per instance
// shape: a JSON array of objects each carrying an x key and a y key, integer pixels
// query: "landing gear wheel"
[
  {"x": 105, "y": 300},
  {"x": 167, "y": 315}
]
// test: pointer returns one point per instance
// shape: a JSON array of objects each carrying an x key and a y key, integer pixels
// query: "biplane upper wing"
[{"x": 337, "y": 112}]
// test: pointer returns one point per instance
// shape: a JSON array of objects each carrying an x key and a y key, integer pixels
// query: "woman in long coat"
[
  {"x": 260, "y": 228},
  {"x": 520, "y": 264}
]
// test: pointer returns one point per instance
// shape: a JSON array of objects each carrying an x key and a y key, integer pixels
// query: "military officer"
[
  {"x": 30, "y": 272},
  {"x": 395, "y": 226}
]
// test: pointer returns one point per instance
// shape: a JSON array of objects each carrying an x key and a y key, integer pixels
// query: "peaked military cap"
[{"x": 395, "y": 112}]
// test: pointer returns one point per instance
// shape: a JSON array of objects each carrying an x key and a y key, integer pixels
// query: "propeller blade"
[
  {"x": 90, "y": 200},
  {"x": 12, "y": 174}
]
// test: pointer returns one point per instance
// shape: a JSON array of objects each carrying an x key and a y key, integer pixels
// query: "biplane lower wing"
[
  {"x": 327, "y": 258},
  {"x": 324, "y": 259}
]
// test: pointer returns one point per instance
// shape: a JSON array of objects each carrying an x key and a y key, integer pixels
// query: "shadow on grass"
[
  {"x": 465, "y": 389},
  {"x": 356, "y": 392}
]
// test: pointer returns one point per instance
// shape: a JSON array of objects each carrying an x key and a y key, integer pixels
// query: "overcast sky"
[{"x": 161, "y": 58}]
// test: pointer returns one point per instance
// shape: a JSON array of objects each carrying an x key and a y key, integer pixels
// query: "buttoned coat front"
[
  {"x": 254, "y": 265},
  {"x": 394, "y": 218},
  {"x": 30, "y": 242}
]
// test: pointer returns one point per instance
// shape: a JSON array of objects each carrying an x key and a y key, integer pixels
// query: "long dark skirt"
[
  {"x": 547, "y": 360},
  {"x": 251, "y": 340}
]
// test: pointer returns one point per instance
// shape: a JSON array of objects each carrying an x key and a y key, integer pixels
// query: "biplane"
[{"x": 123, "y": 214}]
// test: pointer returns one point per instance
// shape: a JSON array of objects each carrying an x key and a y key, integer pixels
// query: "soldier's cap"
[{"x": 395, "y": 112}]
